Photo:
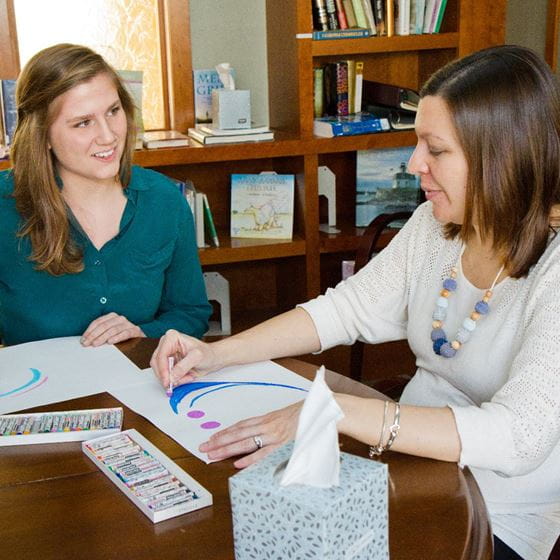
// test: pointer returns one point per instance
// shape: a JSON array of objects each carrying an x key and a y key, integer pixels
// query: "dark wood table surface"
[{"x": 55, "y": 503}]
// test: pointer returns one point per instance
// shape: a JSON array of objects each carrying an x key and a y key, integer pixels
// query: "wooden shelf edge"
[
  {"x": 385, "y": 44},
  {"x": 252, "y": 250}
]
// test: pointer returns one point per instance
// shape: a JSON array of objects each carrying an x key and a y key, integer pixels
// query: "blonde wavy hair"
[{"x": 50, "y": 73}]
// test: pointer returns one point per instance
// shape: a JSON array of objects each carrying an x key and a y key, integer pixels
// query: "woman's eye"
[
  {"x": 115, "y": 110},
  {"x": 82, "y": 124}
]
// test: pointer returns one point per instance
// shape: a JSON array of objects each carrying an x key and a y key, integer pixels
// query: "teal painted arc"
[{"x": 35, "y": 376}]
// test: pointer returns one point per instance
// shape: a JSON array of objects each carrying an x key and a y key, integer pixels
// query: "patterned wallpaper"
[{"x": 125, "y": 32}]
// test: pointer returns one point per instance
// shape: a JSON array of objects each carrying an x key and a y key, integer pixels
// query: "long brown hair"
[
  {"x": 49, "y": 74},
  {"x": 505, "y": 105}
]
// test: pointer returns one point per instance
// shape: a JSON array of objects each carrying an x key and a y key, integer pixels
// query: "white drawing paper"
[
  {"x": 197, "y": 410},
  {"x": 58, "y": 369}
]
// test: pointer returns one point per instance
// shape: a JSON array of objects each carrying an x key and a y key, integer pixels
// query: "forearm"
[
  {"x": 290, "y": 334},
  {"x": 424, "y": 431}
]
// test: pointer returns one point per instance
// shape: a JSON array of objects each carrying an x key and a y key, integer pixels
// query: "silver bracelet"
[
  {"x": 376, "y": 450},
  {"x": 394, "y": 429}
]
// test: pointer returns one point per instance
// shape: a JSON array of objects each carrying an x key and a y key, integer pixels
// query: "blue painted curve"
[{"x": 182, "y": 391}]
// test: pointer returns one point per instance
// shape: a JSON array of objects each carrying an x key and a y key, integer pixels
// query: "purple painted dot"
[
  {"x": 210, "y": 425},
  {"x": 195, "y": 414}
]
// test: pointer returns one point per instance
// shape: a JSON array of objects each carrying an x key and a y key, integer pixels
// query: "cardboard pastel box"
[{"x": 302, "y": 522}]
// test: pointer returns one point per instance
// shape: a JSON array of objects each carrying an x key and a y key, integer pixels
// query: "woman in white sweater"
[{"x": 471, "y": 282}]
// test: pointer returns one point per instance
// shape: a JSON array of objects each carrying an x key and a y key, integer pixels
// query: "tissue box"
[
  {"x": 302, "y": 522},
  {"x": 231, "y": 108}
]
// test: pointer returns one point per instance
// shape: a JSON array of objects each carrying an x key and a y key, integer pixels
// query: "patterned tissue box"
[{"x": 303, "y": 522}]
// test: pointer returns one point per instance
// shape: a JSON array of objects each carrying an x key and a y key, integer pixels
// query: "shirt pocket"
[{"x": 148, "y": 261}]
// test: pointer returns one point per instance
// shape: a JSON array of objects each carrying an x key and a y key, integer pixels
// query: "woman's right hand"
[{"x": 192, "y": 357}]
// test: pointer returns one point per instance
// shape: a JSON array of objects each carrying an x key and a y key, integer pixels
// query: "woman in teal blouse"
[{"x": 89, "y": 244}]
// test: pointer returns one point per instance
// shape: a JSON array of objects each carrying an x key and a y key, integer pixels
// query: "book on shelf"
[
  {"x": 417, "y": 9},
  {"x": 320, "y": 19},
  {"x": 9, "y": 110},
  {"x": 402, "y": 17},
  {"x": 350, "y": 33},
  {"x": 133, "y": 81},
  {"x": 349, "y": 125},
  {"x": 318, "y": 97},
  {"x": 358, "y": 86},
  {"x": 383, "y": 184},
  {"x": 351, "y": 65},
  {"x": 428, "y": 15},
  {"x": 379, "y": 15},
  {"x": 204, "y": 138},
  {"x": 164, "y": 139},
  {"x": 439, "y": 16},
  {"x": 335, "y": 80},
  {"x": 360, "y": 14},
  {"x": 332, "y": 19},
  {"x": 203, "y": 219},
  {"x": 205, "y": 80},
  {"x": 341, "y": 15},
  {"x": 390, "y": 17},
  {"x": 349, "y": 12},
  {"x": 209, "y": 225},
  {"x": 262, "y": 205},
  {"x": 377, "y": 93},
  {"x": 370, "y": 19},
  {"x": 253, "y": 129},
  {"x": 399, "y": 119}
]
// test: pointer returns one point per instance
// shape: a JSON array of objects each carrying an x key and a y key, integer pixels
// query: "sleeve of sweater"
[
  {"x": 519, "y": 427},
  {"x": 371, "y": 305}
]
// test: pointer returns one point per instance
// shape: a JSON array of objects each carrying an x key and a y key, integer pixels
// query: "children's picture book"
[
  {"x": 383, "y": 184},
  {"x": 262, "y": 206},
  {"x": 204, "y": 80}
]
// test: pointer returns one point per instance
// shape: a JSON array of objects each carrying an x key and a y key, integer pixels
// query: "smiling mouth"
[{"x": 106, "y": 154}]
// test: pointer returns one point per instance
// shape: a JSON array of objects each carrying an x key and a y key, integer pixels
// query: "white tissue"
[
  {"x": 225, "y": 73},
  {"x": 315, "y": 459}
]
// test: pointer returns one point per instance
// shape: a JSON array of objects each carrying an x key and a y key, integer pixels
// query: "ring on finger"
[{"x": 258, "y": 441}]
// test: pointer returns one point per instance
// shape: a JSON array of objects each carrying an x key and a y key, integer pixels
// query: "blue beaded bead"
[
  {"x": 437, "y": 333},
  {"x": 462, "y": 335},
  {"x": 442, "y": 302},
  {"x": 439, "y": 314},
  {"x": 447, "y": 351},
  {"x": 450, "y": 284},
  {"x": 482, "y": 307},
  {"x": 438, "y": 344},
  {"x": 469, "y": 324}
]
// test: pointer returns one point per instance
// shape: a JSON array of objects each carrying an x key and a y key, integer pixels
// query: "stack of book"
[
  {"x": 207, "y": 134},
  {"x": 205, "y": 228},
  {"x": 350, "y": 19}
]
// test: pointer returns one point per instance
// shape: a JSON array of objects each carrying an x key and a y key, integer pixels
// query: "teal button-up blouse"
[{"x": 150, "y": 272}]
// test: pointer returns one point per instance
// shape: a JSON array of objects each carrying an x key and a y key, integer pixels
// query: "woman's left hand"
[
  {"x": 255, "y": 437},
  {"x": 110, "y": 329}
]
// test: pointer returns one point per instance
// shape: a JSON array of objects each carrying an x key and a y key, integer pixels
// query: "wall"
[
  {"x": 234, "y": 31},
  {"x": 526, "y": 23}
]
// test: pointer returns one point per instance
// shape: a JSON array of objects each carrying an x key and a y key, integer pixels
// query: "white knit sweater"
[{"x": 503, "y": 385}]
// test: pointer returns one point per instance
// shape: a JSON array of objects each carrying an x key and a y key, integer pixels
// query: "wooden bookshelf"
[{"x": 270, "y": 276}]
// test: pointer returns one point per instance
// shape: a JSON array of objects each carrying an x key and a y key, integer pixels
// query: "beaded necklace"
[{"x": 441, "y": 345}]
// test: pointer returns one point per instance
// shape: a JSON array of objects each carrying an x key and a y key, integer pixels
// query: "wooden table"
[{"x": 55, "y": 503}]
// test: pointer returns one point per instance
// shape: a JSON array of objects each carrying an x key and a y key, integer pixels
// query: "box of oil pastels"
[
  {"x": 152, "y": 481},
  {"x": 61, "y": 426}
]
